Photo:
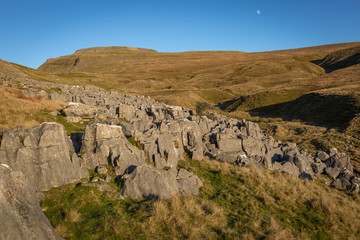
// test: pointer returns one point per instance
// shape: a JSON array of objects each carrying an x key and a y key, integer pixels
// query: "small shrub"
[{"x": 201, "y": 107}]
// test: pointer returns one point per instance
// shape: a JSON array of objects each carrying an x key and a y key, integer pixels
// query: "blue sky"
[{"x": 32, "y": 31}]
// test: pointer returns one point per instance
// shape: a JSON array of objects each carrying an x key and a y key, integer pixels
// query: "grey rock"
[
  {"x": 75, "y": 112},
  {"x": 127, "y": 128},
  {"x": 303, "y": 162},
  {"x": 253, "y": 146},
  {"x": 188, "y": 182},
  {"x": 332, "y": 172},
  {"x": 323, "y": 156},
  {"x": 247, "y": 162},
  {"x": 169, "y": 149},
  {"x": 151, "y": 183},
  {"x": 228, "y": 143},
  {"x": 196, "y": 153},
  {"x": 107, "y": 178},
  {"x": 318, "y": 167},
  {"x": 76, "y": 139},
  {"x": 341, "y": 183},
  {"x": 20, "y": 212},
  {"x": 101, "y": 169},
  {"x": 97, "y": 179},
  {"x": 106, "y": 144},
  {"x": 44, "y": 154},
  {"x": 287, "y": 167},
  {"x": 332, "y": 151},
  {"x": 337, "y": 163}
]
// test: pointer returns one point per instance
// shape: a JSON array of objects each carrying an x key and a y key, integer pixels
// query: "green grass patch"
[
  {"x": 43, "y": 116},
  {"x": 134, "y": 142},
  {"x": 235, "y": 203}
]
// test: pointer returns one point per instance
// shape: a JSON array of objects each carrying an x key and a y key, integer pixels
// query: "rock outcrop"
[
  {"x": 21, "y": 215},
  {"x": 167, "y": 132},
  {"x": 44, "y": 153},
  {"x": 76, "y": 112},
  {"x": 107, "y": 144},
  {"x": 148, "y": 182}
]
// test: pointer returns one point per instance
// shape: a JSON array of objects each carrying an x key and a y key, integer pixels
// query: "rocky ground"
[{"x": 46, "y": 157}]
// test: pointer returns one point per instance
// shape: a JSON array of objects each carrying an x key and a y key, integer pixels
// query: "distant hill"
[
  {"x": 341, "y": 59},
  {"x": 189, "y": 77}
]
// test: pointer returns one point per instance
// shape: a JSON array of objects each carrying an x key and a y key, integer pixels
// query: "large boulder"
[
  {"x": 76, "y": 112},
  {"x": 44, "y": 153},
  {"x": 107, "y": 144},
  {"x": 192, "y": 138},
  {"x": 336, "y": 163},
  {"x": 21, "y": 216},
  {"x": 151, "y": 183}
]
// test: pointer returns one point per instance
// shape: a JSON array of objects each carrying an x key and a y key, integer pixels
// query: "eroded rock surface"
[
  {"x": 45, "y": 155},
  {"x": 21, "y": 215},
  {"x": 148, "y": 182},
  {"x": 107, "y": 144}
]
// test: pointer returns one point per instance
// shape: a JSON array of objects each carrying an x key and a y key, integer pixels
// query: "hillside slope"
[
  {"x": 341, "y": 59},
  {"x": 188, "y": 77}
]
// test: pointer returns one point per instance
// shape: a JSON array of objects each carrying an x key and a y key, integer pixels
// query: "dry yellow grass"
[
  {"x": 185, "y": 78},
  {"x": 284, "y": 195},
  {"x": 18, "y": 109},
  {"x": 186, "y": 218}
]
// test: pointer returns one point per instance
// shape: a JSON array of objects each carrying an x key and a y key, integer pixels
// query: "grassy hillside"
[
  {"x": 341, "y": 59},
  {"x": 235, "y": 203},
  {"x": 18, "y": 109},
  {"x": 188, "y": 77}
]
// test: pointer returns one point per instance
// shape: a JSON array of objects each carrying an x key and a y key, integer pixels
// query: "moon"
[{"x": 258, "y": 12}]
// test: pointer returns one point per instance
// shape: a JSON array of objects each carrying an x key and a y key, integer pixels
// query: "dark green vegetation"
[
  {"x": 134, "y": 142},
  {"x": 235, "y": 203}
]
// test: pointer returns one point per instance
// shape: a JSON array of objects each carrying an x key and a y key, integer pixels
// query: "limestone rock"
[
  {"x": 44, "y": 154},
  {"x": 106, "y": 144},
  {"x": 75, "y": 112},
  {"x": 188, "y": 182},
  {"x": 21, "y": 216},
  {"x": 101, "y": 169},
  {"x": 151, "y": 183},
  {"x": 336, "y": 163}
]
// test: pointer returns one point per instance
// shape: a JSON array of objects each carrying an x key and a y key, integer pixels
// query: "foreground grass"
[{"x": 235, "y": 203}]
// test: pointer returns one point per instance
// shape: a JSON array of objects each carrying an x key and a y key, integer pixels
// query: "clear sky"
[{"x": 32, "y": 31}]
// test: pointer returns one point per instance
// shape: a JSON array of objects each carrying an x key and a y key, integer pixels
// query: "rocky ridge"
[{"x": 167, "y": 132}]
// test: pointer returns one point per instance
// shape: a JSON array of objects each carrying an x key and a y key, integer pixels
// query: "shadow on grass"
[{"x": 331, "y": 111}]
